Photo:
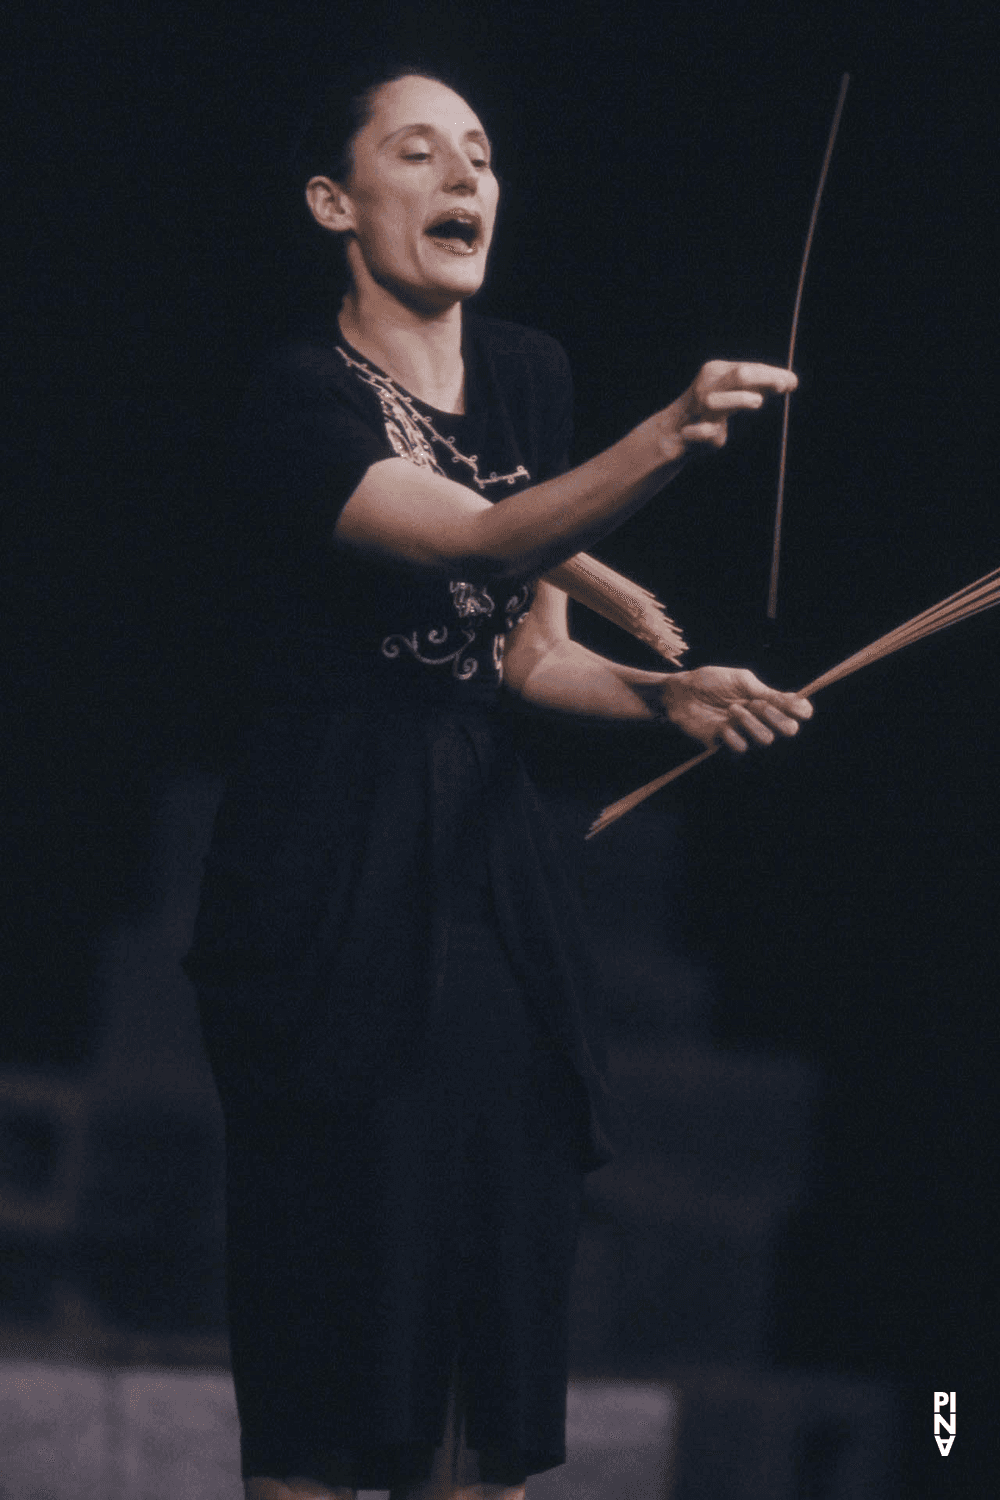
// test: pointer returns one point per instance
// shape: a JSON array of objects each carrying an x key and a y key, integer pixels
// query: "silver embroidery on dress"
[
  {"x": 393, "y": 646},
  {"x": 412, "y": 434},
  {"x": 517, "y": 606},
  {"x": 499, "y": 641},
  {"x": 470, "y": 599}
]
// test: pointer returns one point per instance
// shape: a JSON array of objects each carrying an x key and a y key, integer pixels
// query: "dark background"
[{"x": 658, "y": 166}]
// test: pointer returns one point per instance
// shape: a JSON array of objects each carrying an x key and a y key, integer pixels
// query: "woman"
[{"x": 388, "y": 966}]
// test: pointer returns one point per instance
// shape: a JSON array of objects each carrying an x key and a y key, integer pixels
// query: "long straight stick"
[{"x": 772, "y": 593}]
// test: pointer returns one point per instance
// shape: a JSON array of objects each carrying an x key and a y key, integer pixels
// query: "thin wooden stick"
[
  {"x": 772, "y": 595},
  {"x": 616, "y": 810},
  {"x": 971, "y": 600}
]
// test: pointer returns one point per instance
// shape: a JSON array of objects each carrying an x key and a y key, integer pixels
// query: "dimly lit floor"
[{"x": 73, "y": 1432}]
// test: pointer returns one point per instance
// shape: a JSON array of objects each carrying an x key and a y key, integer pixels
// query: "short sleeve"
[
  {"x": 557, "y": 442},
  {"x": 304, "y": 441},
  {"x": 528, "y": 384}
]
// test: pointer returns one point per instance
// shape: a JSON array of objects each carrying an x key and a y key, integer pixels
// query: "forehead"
[{"x": 418, "y": 101}]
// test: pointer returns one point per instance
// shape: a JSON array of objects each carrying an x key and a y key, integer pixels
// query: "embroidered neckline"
[
  {"x": 411, "y": 431},
  {"x": 412, "y": 434}
]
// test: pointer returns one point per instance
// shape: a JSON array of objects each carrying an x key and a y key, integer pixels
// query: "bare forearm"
[
  {"x": 404, "y": 511},
  {"x": 410, "y": 513},
  {"x": 570, "y": 679},
  {"x": 712, "y": 705},
  {"x": 550, "y": 522}
]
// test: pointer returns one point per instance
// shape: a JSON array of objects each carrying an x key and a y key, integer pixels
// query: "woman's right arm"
[{"x": 409, "y": 513}]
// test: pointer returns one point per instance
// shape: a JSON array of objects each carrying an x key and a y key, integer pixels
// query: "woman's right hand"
[{"x": 700, "y": 417}]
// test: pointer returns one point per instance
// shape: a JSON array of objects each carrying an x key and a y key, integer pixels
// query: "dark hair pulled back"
[{"x": 324, "y": 147}]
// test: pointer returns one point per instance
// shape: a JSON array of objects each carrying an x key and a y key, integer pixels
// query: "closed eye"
[{"x": 481, "y": 163}]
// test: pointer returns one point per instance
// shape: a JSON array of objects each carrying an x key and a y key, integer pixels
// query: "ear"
[{"x": 329, "y": 205}]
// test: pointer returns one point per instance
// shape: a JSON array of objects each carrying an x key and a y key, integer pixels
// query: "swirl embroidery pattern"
[
  {"x": 468, "y": 600},
  {"x": 517, "y": 606},
  {"x": 394, "y": 645}
]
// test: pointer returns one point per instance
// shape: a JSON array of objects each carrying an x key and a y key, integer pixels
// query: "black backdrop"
[{"x": 658, "y": 167}]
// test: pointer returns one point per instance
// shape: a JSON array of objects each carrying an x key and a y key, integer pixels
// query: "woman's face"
[{"x": 422, "y": 195}]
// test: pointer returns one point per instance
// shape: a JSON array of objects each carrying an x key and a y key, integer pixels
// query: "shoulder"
[
  {"x": 513, "y": 347},
  {"x": 305, "y": 378},
  {"x": 305, "y": 424},
  {"x": 299, "y": 366},
  {"x": 527, "y": 373}
]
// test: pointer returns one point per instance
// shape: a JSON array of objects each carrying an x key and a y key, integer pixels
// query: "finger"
[
  {"x": 733, "y": 400},
  {"x": 753, "y": 726},
  {"x": 713, "y": 433},
  {"x": 774, "y": 716},
  {"x": 747, "y": 685},
  {"x": 764, "y": 378},
  {"x": 788, "y": 703},
  {"x": 729, "y": 737}
]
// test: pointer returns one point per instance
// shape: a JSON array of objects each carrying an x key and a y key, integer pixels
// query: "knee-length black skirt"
[
  {"x": 371, "y": 1247},
  {"x": 388, "y": 969}
]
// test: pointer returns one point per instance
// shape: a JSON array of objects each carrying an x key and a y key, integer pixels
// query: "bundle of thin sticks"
[
  {"x": 621, "y": 601},
  {"x": 962, "y": 605}
]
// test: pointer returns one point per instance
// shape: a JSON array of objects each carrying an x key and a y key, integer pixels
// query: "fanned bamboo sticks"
[
  {"x": 772, "y": 593},
  {"x": 971, "y": 600},
  {"x": 621, "y": 601}
]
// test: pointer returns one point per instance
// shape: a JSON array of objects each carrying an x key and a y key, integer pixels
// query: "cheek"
[
  {"x": 389, "y": 225},
  {"x": 492, "y": 200}
]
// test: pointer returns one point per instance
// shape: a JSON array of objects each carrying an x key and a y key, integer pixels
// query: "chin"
[
  {"x": 437, "y": 294},
  {"x": 465, "y": 289}
]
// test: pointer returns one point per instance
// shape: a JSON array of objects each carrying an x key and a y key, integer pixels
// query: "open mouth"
[{"x": 456, "y": 231}]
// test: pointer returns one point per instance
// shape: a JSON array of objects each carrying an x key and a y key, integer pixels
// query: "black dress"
[{"x": 390, "y": 968}]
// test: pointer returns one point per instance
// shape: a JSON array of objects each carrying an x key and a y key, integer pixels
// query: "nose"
[{"x": 460, "y": 174}]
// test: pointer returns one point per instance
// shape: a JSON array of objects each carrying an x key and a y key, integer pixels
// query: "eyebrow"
[{"x": 470, "y": 135}]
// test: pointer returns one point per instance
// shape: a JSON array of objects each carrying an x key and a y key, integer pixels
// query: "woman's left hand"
[{"x": 732, "y": 706}]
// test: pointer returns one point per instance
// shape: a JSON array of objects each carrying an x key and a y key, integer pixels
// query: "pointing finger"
[
  {"x": 755, "y": 377},
  {"x": 734, "y": 400}
]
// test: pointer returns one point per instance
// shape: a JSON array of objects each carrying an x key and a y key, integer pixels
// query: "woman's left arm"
[{"x": 711, "y": 704}]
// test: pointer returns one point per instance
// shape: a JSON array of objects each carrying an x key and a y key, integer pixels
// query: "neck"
[{"x": 422, "y": 351}]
